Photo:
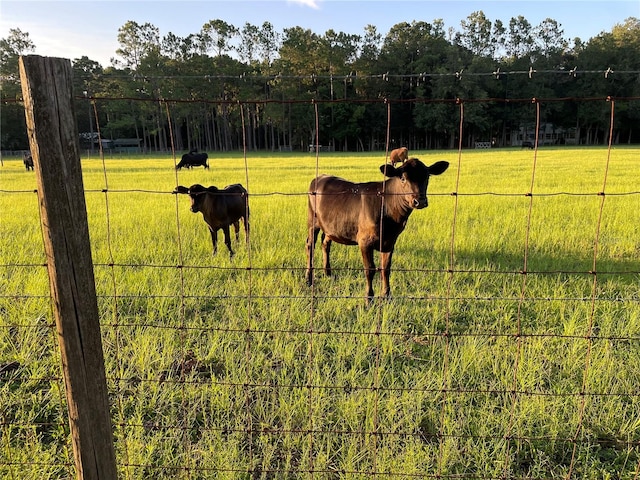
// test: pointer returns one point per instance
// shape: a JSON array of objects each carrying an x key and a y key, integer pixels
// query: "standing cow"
[
  {"x": 399, "y": 155},
  {"x": 193, "y": 159},
  {"x": 220, "y": 209},
  {"x": 371, "y": 215},
  {"x": 27, "y": 159}
]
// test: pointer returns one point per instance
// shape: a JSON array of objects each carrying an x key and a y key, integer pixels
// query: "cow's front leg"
[
  {"x": 385, "y": 272},
  {"x": 326, "y": 251},
  {"x": 214, "y": 239},
  {"x": 227, "y": 240},
  {"x": 311, "y": 243},
  {"x": 369, "y": 270}
]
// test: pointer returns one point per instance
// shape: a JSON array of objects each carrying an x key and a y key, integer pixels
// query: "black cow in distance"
[{"x": 193, "y": 159}]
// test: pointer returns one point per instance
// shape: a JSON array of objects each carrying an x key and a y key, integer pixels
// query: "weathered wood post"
[{"x": 53, "y": 137}]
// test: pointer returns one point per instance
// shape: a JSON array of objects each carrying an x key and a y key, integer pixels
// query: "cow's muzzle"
[{"x": 419, "y": 203}]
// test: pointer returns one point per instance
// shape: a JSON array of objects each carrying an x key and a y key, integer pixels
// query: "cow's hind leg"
[
  {"x": 326, "y": 251},
  {"x": 227, "y": 240},
  {"x": 236, "y": 228},
  {"x": 245, "y": 221},
  {"x": 311, "y": 243}
]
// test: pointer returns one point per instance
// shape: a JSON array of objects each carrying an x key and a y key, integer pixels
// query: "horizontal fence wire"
[
  {"x": 312, "y": 446},
  {"x": 498, "y": 73}
]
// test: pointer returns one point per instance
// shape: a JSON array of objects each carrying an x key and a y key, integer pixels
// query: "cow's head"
[
  {"x": 197, "y": 194},
  {"x": 414, "y": 179}
]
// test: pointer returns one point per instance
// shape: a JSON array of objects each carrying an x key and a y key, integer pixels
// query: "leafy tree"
[
  {"x": 365, "y": 65},
  {"x": 136, "y": 42},
  {"x": 269, "y": 43},
  {"x": 249, "y": 43},
  {"x": 180, "y": 49},
  {"x": 369, "y": 47},
  {"x": 618, "y": 50},
  {"x": 217, "y": 35},
  {"x": 269, "y": 81},
  {"x": 300, "y": 63},
  {"x": 13, "y": 127},
  {"x": 477, "y": 35},
  {"x": 16, "y": 44},
  {"x": 86, "y": 76},
  {"x": 499, "y": 35},
  {"x": 520, "y": 39},
  {"x": 550, "y": 39}
]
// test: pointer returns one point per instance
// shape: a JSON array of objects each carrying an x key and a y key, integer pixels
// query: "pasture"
[{"x": 509, "y": 349}]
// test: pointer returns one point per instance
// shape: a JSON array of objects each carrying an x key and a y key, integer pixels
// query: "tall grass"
[{"x": 509, "y": 349}]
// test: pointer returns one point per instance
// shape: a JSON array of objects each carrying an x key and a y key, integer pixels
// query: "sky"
[{"x": 76, "y": 28}]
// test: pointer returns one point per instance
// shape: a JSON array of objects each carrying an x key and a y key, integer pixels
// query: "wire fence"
[{"x": 338, "y": 414}]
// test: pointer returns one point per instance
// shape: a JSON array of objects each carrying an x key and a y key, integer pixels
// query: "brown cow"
[
  {"x": 220, "y": 209},
  {"x": 399, "y": 155},
  {"x": 354, "y": 214}
]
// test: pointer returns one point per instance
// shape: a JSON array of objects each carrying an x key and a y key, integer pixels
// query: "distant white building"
[
  {"x": 127, "y": 145},
  {"x": 548, "y": 134}
]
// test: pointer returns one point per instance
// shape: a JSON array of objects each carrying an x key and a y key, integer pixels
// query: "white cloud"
[
  {"x": 307, "y": 3},
  {"x": 54, "y": 41}
]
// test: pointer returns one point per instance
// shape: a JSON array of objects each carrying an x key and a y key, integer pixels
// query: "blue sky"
[{"x": 71, "y": 29}]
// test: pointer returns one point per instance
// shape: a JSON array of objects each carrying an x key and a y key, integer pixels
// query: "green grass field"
[{"x": 472, "y": 370}]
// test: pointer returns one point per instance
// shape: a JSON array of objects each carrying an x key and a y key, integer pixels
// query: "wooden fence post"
[{"x": 53, "y": 137}]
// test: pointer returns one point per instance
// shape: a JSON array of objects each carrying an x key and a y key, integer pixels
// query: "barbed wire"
[{"x": 386, "y": 76}]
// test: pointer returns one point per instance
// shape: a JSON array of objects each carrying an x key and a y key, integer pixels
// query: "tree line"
[{"x": 227, "y": 87}]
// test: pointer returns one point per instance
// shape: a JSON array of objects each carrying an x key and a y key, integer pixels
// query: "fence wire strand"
[{"x": 594, "y": 295}]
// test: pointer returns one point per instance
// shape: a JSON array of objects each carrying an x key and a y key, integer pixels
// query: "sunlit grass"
[{"x": 500, "y": 351}]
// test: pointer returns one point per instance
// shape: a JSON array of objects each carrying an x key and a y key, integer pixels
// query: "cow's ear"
[
  {"x": 181, "y": 189},
  {"x": 438, "y": 167},
  {"x": 389, "y": 170}
]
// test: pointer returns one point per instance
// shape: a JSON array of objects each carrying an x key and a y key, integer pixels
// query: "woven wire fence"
[{"x": 236, "y": 369}]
